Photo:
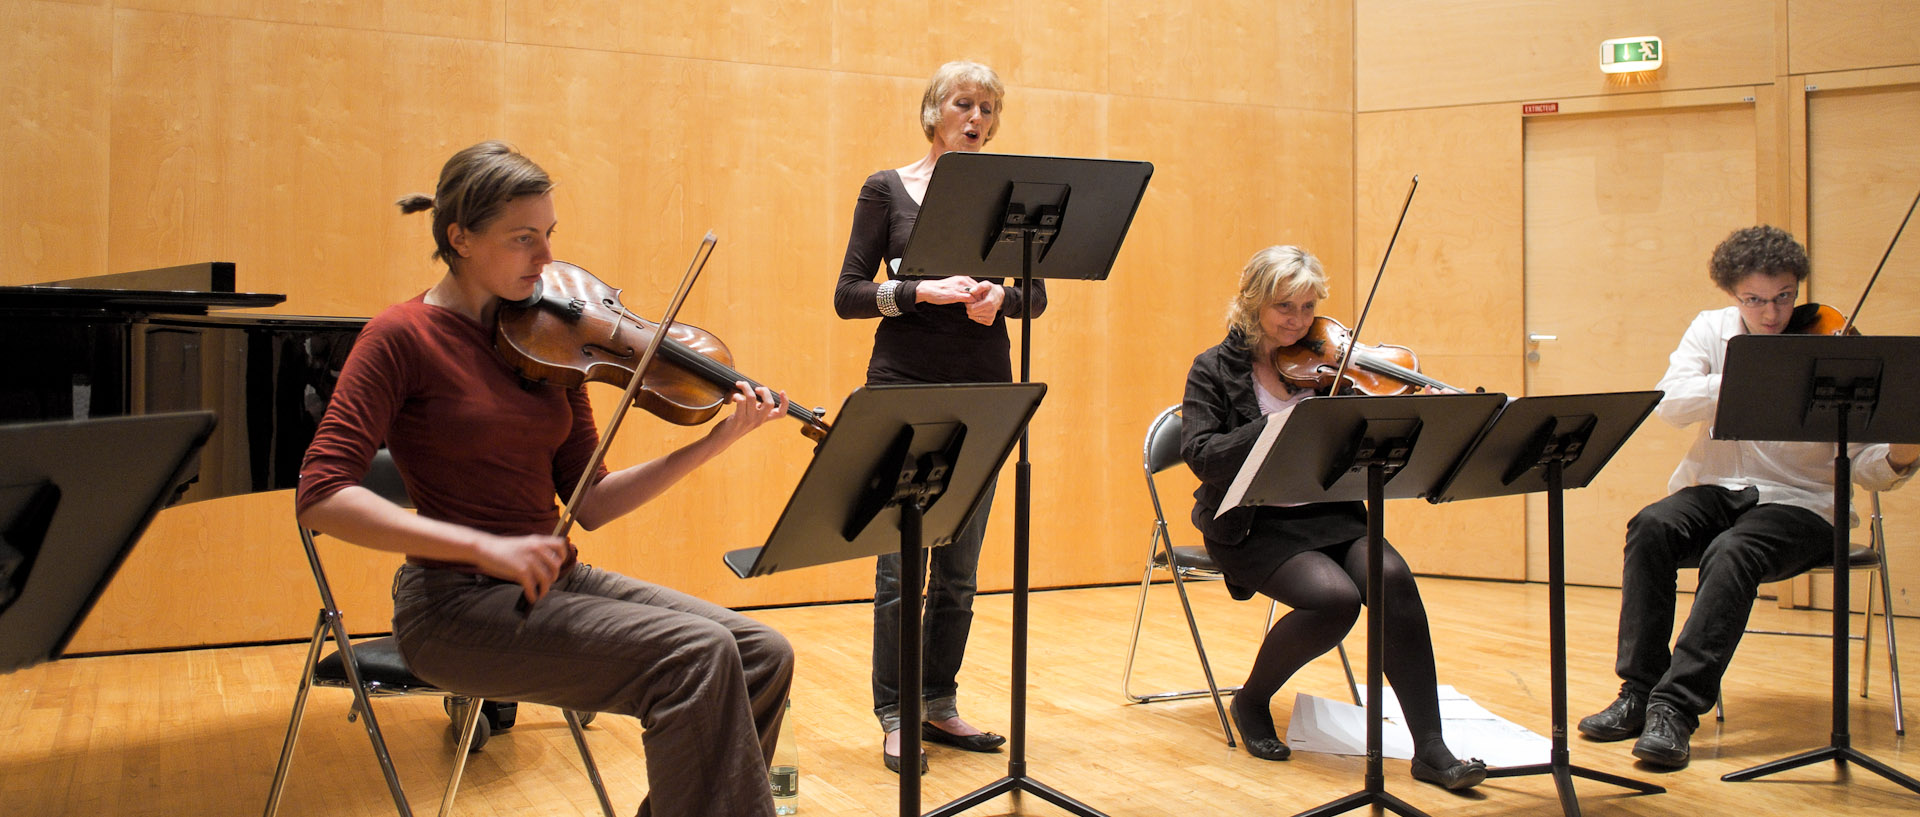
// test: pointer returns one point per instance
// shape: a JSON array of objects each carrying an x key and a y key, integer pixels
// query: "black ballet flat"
[
  {"x": 1264, "y": 748},
  {"x": 983, "y": 742},
  {"x": 1464, "y": 774},
  {"x": 893, "y": 761}
]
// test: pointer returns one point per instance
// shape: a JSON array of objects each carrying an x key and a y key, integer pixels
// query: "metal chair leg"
[
  {"x": 365, "y": 703},
  {"x": 1159, "y": 538},
  {"x": 1206, "y": 667},
  {"x": 1352, "y": 688},
  {"x": 586, "y": 758},
  {"x": 299, "y": 711},
  {"x": 1139, "y": 615},
  {"x": 460, "y": 752},
  {"x": 1866, "y": 638},
  {"x": 1893, "y": 653}
]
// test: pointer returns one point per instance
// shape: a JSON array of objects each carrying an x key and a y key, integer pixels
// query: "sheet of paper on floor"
[{"x": 1340, "y": 728}]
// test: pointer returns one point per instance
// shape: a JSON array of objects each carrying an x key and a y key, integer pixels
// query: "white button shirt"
[{"x": 1790, "y": 473}]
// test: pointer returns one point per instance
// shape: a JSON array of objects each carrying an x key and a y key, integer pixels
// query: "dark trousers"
[
  {"x": 1738, "y": 544},
  {"x": 945, "y": 624}
]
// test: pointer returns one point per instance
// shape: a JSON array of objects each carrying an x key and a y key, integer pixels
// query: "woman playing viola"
[
  {"x": 484, "y": 455},
  {"x": 1312, "y": 557}
]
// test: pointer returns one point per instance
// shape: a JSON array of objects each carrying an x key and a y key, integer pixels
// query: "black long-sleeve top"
[{"x": 926, "y": 343}]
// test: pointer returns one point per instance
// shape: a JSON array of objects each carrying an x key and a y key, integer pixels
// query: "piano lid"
[{"x": 189, "y": 289}]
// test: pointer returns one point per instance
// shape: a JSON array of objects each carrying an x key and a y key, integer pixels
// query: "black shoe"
[
  {"x": 1463, "y": 774},
  {"x": 1620, "y": 720},
  {"x": 1265, "y": 747},
  {"x": 983, "y": 742},
  {"x": 893, "y": 761},
  {"x": 1664, "y": 743}
]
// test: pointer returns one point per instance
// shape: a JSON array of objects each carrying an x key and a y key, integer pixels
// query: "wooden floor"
[{"x": 198, "y": 733}]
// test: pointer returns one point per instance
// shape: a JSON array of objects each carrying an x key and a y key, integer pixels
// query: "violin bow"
[
  {"x": 694, "y": 267},
  {"x": 1883, "y": 264},
  {"x": 1353, "y": 338}
]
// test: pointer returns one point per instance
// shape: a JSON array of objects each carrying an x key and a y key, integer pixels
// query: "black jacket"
[{"x": 1219, "y": 426}]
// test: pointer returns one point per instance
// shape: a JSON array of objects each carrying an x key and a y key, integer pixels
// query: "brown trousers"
[{"x": 709, "y": 685}]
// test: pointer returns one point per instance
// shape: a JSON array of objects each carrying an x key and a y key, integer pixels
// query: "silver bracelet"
[{"x": 884, "y": 298}]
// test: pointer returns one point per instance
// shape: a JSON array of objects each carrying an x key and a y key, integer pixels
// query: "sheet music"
[{"x": 1255, "y": 459}]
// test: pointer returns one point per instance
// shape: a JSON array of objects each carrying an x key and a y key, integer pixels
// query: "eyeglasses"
[{"x": 1783, "y": 299}]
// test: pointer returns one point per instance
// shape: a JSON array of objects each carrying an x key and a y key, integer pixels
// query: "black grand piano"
[{"x": 153, "y": 341}]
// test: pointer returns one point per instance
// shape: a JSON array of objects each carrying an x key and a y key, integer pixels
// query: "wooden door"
[
  {"x": 1863, "y": 169},
  {"x": 1623, "y": 210}
]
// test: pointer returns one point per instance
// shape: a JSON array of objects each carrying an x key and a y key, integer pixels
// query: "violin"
[
  {"x": 1383, "y": 370},
  {"x": 1818, "y": 319},
  {"x": 575, "y": 330}
]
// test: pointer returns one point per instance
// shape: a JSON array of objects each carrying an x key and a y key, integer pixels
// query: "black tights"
[{"x": 1326, "y": 596}]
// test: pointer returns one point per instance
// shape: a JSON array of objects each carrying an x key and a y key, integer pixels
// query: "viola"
[
  {"x": 575, "y": 330},
  {"x": 1383, "y": 370}
]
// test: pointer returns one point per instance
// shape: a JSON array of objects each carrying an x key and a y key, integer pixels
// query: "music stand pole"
[
  {"x": 1017, "y": 779},
  {"x": 1375, "y": 794},
  {"x": 931, "y": 451},
  {"x": 1839, "y": 746},
  {"x": 912, "y": 569},
  {"x": 1560, "y": 763},
  {"x": 1865, "y": 381}
]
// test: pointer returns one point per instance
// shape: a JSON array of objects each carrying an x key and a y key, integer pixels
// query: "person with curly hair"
[{"x": 1750, "y": 512}]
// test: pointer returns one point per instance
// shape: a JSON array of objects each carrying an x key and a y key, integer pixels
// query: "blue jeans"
[
  {"x": 1739, "y": 545},
  {"x": 947, "y": 619}
]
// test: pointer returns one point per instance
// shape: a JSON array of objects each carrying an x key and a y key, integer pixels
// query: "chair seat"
[
  {"x": 1194, "y": 558},
  {"x": 1862, "y": 558},
  {"x": 380, "y": 663}
]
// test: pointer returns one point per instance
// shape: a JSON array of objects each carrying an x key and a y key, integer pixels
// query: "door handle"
[{"x": 1533, "y": 340}]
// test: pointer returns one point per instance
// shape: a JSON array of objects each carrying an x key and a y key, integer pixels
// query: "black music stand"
[
  {"x": 1334, "y": 449},
  {"x": 1838, "y": 389},
  {"x": 1551, "y": 444},
  {"x": 901, "y": 462},
  {"x": 74, "y": 498},
  {"x": 989, "y": 215}
]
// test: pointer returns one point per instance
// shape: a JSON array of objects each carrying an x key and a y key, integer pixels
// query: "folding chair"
[
  {"x": 375, "y": 669},
  {"x": 1872, "y": 559},
  {"x": 1162, "y": 451}
]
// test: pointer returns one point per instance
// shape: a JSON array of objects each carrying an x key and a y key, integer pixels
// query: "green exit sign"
[{"x": 1630, "y": 54}]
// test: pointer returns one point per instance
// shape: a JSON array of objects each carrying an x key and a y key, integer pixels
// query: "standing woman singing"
[
  {"x": 1312, "y": 557},
  {"x": 930, "y": 330},
  {"x": 485, "y": 454}
]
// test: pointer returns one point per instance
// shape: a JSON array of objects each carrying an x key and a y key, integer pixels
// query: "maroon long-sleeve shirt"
[{"x": 477, "y": 445}]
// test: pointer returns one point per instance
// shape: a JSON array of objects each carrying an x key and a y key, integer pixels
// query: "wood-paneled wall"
[
  {"x": 1826, "y": 83},
  {"x": 276, "y": 135},
  {"x": 147, "y": 133}
]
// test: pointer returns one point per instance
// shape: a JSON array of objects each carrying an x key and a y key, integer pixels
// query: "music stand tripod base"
[
  {"x": 1546, "y": 445},
  {"x": 1851, "y": 389}
]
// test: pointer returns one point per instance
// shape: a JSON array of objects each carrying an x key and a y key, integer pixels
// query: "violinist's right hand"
[
  {"x": 956, "y": 289},
  {"x": 533, "y": 562}
]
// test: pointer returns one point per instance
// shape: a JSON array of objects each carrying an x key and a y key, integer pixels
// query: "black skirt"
[{"x": 1279, "y": 534}]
